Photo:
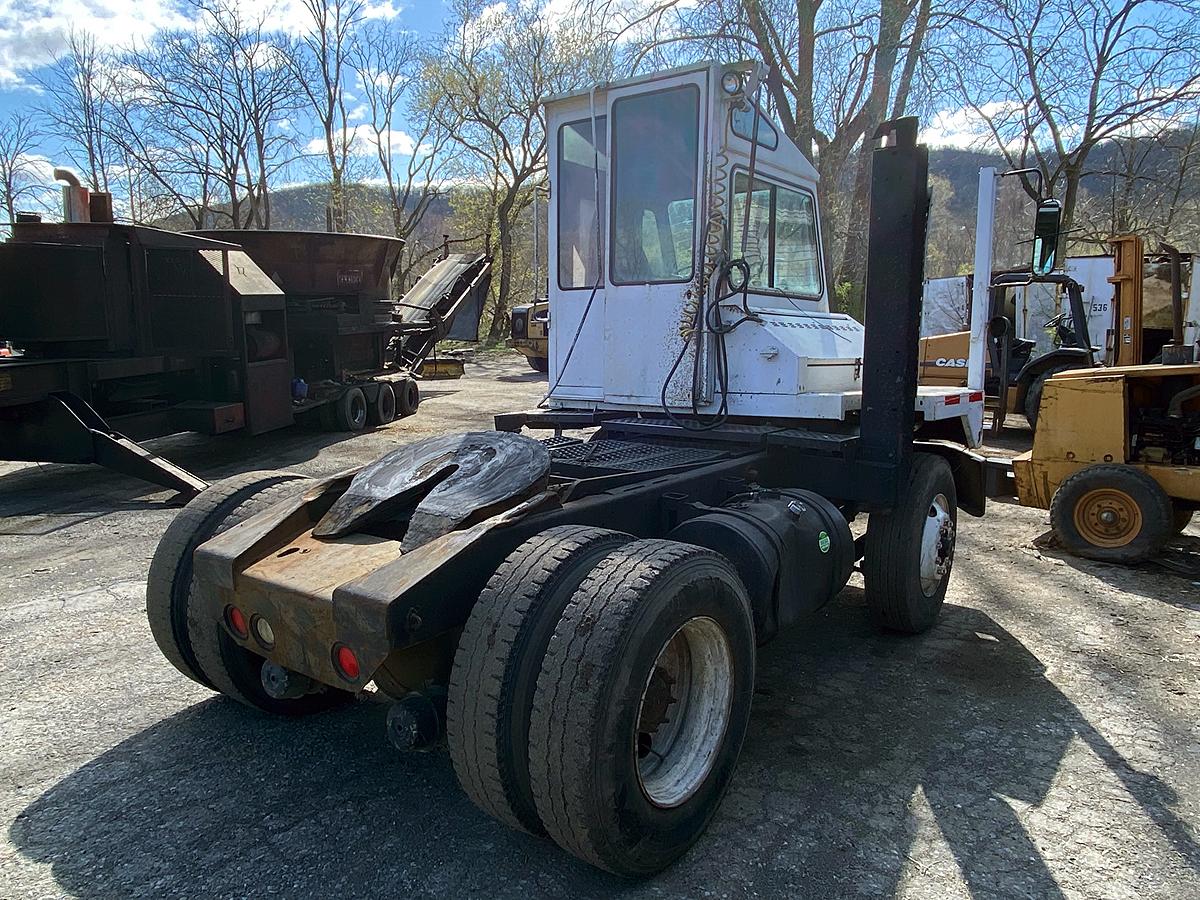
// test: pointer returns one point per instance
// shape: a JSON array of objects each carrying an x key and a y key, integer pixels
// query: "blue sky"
[{"x": 34, "y": 32}]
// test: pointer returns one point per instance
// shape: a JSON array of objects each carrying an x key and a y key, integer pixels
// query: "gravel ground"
[{"x": 1041, "y": 741}]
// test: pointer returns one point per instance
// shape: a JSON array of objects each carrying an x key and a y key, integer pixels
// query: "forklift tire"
[
  {"x": 497, "y": 663},
  {"x": 231, "y": 669},
  {"x": 408, "y": 398},
  {"x": 383, "y": 409},
  {"x": 910, "y": 549},
  {"x": 1112, "y": 513},
  {"x": 626, "y": 775},
  {"x": 350, "y": 410},
  {"x": 1033, "y": 396},
  {"x": 169, "y": 581},
  {"x": 538, "y": 363},
  {"x": 1181, "y": 518}
]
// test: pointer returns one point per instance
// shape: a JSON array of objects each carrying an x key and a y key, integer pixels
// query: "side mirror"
[{"x": 1045, "y": 236}]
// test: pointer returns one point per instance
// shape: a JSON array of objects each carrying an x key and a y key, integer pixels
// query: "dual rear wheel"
[{"x": 601, "y": 692}]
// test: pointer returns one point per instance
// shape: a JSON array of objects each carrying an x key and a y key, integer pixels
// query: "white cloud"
[
  {"x": 363, "y": 142},
  {"x": 33, "y": 33},
  {"x": 964, "y": 128}
]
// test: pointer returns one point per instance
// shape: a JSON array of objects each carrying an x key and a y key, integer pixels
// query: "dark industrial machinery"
[
  {"x": 130, "y": 332},
  {"x": 583, "y": 614}
]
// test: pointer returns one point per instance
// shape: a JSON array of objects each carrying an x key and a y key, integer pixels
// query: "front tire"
[
  {"x": 1112, "y": 513},
  {"x": 641, "y": 705},
  {"x": 498, "y": 660},
  {"x": 910, "y": 549}
]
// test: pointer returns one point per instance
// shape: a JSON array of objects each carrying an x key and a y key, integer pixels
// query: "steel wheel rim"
[
  {"x": 937, "y": 544},
  {"x": 1107, "y": 517},
  {"x": 678, "y": 734}
]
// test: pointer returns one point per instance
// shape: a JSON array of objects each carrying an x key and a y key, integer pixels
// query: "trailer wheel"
[
  {"x": 1112, "y": 513},
  {"x": 169, "y": 581},
  {"x": 350, "y": 410},
  {"x": 408, "y": 398},
  {"x": 497, "y": 663},
  {"x": 641, "y": 705},
  {"x": 910, "y": 549},
  {"x": 232, "y": 669},
  {"x": 383, "y": 409}
]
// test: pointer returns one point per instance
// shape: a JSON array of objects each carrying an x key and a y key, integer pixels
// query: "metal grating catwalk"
[{"x": 626, "y": 456}]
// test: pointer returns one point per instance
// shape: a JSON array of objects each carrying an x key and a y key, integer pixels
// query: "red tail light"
[
  {"x": 346, "y": 662},
  {"x": 236, "y": 620}
]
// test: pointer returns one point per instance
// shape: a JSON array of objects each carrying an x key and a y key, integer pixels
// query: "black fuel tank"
[{"x": 792, "y": 548}]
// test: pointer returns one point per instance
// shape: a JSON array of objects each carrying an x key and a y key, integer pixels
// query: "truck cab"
[{"x": 687, "y": 272}]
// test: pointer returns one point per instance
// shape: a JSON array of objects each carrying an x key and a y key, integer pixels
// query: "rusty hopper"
[{"x": 339, "y": 295}]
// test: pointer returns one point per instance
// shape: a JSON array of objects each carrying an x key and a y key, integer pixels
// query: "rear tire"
[
  {"x": 169, "y": 581},
  {"x": 538, "y": 363},
  {"x": 232, "y": 669},
  {"x": 408, "y": 398},
  {"x": 641, "y": 705},
  {"x": 910, "y": 549},
  {"x": 1112, "y": 513},
  {"x": 382, "y": 409},
  {"x": 497, "y": 663},
  {"x": 350, "y": 410}
]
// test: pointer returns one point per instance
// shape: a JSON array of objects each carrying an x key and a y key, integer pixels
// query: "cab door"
[{"x": 656, "y": 143}]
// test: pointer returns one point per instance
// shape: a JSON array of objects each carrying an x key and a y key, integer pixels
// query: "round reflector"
[
  {"x": 237, "y": 621},
  {"x": 263, "y": 631},
  {"x": 346, "y": 662}
]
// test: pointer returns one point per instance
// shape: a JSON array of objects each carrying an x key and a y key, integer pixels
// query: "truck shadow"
[{"x": 850, "y": 729}]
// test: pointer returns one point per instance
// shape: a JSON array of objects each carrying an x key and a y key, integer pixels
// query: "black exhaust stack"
[{"x": 892, "y": 317}]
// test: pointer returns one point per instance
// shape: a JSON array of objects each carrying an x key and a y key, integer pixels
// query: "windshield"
[
  {"x": 780, "y": 245},
  {"x": 655, "y": 161}
]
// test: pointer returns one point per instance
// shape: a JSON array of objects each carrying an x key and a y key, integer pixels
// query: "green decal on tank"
[{"x": 823, "y": 541}]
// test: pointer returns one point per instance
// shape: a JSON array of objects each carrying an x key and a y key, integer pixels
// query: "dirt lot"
[{"x": 1042, "y": 741}]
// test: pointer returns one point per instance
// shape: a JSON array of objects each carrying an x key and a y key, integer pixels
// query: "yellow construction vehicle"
[
  {"x": 529, "y": 334},
  {"x": 1116, "y": 456}
]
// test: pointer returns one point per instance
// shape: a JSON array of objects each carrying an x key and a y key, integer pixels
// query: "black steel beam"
[{"x": 895, "y": 276}]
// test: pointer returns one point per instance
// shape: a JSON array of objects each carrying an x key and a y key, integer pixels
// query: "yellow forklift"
[{"x": 1116, "y": 456}]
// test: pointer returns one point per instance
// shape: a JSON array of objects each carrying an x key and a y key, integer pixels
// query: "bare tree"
[
  {"x": 485, "y": 88},
  {"x": 837, "y": 69},
  {"x": 78, "y": 89},
  {"x": 18, "y": 168},
  {"x": 199, "y": 114},
  {"x": 321, "y": 70},
  {"x": 386, "y": 62},
  {"x": 1050, "y": 80}
]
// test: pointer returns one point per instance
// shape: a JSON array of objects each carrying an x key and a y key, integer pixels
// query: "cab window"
[
  {"x": 580, "y": 229},
  {"x": 741, "y": 120},
  {"x": 781, "y": 244},
  {"x": 655, "y": 147}
]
